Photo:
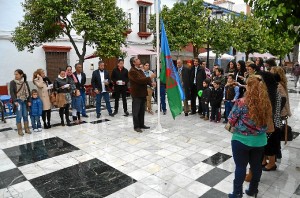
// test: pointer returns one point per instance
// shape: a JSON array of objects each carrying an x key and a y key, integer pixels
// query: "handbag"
[
  {"x": 53, "y": 98},
  {"x": 286, "y": 133},
  {"x": 228, "y": 127}
]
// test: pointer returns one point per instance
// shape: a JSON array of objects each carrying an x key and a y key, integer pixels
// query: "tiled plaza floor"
[{"x": 105, "y": 158}]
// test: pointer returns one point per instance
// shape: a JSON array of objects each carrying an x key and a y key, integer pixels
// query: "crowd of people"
[{"x": 254, "y": 94}]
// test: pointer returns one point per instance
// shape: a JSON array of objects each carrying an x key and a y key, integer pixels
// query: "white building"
[
  {"x": 49, "y": 55},
  {"x": 140, "y": 39}
]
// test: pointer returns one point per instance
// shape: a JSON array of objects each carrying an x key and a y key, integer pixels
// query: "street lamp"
[{"x": 218, "y": 14}]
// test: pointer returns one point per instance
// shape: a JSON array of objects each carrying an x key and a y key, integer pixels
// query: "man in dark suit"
[
  {"x": 81, "y": 80},
  {"x": 119, "y": 77},
  {"x": 138, "y": 83},
  {"x": 100, "y": 82},
  {"x": 198, "y": 75},
  {"x": 185, "y": 74}
]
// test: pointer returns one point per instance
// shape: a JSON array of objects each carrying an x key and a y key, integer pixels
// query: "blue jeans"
[
  {"x": 22, "y": 113},
  {"x": 35, "y": 122},
  {"x": 242, "y": 155},
  {"x": 228, "y": 107},
  {"x": 163, "y": 98},
  {"x": 99, "y": 96},
  {"x": 83, "y": 95}
]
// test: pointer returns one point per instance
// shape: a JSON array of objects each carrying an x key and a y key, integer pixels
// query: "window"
[{"x": 143, "y": 19}]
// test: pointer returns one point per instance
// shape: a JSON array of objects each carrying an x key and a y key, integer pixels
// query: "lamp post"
[{"x": 218, "y": 14}]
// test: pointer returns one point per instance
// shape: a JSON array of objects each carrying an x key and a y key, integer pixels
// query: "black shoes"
[
  {"x": 186, "y": 114},
  {"x": 192, "y": 113},
  {"x": 145, "y": 127},
  {"x": 98, "y": 115},
  {"x": 271, "y": 169},
  {"x": 115, "y": 113},
  {"x": 252, "y": 194},
  {"x": 126, "y": 113},
  {"x": 111, "y": 115},
  {"x": 138, "y": 130},
  {"x": 86, "y": 116},
  {"x": 164, "y": 113}
]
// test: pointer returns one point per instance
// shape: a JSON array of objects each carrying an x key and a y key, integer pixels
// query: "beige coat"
[
  {"x": 43, "y": 92},
  {"x": 286, "y": 111}
]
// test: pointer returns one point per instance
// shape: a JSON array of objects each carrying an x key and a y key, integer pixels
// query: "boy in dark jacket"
[
  {"x": 36, "y": 110},
  {"x": 205, "y": 99},
  {"x": 231, "y": 94},
  {"x": 77, "y": 106},
  {"x": 216, "y": 97}
]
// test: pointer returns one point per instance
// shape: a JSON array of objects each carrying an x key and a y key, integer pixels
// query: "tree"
[
  {"x": 279, "y": 44},
  {"x": 185, "y": 23},
  {"x": 100, "y": 24},
  {"x": 220, "y": 35},
  {"x": 248, "y": 34},
  {"x": 281, "y": 16}
]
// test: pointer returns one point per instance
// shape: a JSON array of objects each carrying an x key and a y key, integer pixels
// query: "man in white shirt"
[
  {"x": 100, "y": 81},
  {"x": 81, "y": 80}
]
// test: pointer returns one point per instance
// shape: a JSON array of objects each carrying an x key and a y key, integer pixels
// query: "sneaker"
[
  {"x": 35, "y": 130},
  {"x": 98, "y": 115},
  {"x": 40, "y": 129}
]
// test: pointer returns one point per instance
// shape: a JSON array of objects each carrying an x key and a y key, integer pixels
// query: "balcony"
[{"x": 128, "y": 29}]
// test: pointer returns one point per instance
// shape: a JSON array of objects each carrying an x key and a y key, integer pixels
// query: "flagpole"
[{"x": 158, "y": 127}]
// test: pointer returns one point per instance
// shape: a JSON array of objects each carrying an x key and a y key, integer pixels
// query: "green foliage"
[
  {"x": 279, "y": 15},
  {"x": 100, "y": 23},
  {"x": 279, "y": 44},
  {"x": 220, "y": 35},
  {"x": 185, "y": 23},
  {"x": 248, "y": 34}
]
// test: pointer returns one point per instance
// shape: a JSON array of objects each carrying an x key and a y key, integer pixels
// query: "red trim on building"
[
  {"x": 53, "y": 48},
  {"x": 144, "y": 34},
  {"x": 144, "y": 2}
]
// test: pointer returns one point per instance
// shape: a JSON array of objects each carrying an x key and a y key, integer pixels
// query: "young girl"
[
  {"x": 36, "y": 109},
  {"x": 77, "y": 105},
  {"x": 215, "y": 101}
]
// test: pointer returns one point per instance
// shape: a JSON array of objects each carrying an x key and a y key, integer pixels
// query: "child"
[
  {"x": 77, "y": 105},
  {"x": 231, "y": 94},
  {"x": 36, "y": 109},
  {"x": 216, "y": 97},
  {"x": 220, "y": 77},
  {"x": 205, "y": 99}
]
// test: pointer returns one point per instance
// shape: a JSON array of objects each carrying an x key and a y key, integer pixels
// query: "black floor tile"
[
  {"x": 100, "y": 121},
  {"x": 82, "y": 122},
  {"x": 213, "y": 177},
  {"x": 217, "y": 159},
  {"x": 39, "y": 150},
  {"x": 295, "y": 134},
  {"x": 6, "y": 129},
  {"x": 213, "y": 193},
  {"x": 297, "y": 192},
  {"x": 92, "y": 178},
  {"x": 11, "y": 177}
]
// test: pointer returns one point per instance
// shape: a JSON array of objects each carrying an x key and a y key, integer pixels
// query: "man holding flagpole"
[{"x": 138, "y": 84}]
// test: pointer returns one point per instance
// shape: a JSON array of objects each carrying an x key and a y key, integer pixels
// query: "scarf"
[
  {"x": 74, "y": 78},
  {"x": 22, "y": 89}
]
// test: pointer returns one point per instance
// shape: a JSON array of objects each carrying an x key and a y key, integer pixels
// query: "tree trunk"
[
  {"x": 247, "y": 56},
  {"x": 195, "y": 51},
  {"x": 296, "y": 53}
]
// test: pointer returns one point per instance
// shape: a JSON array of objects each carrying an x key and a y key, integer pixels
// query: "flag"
[{"x": 170, "y": 77}]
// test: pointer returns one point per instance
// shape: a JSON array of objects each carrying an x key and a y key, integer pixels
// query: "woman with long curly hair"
[{"x": 250, "y": 118}]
